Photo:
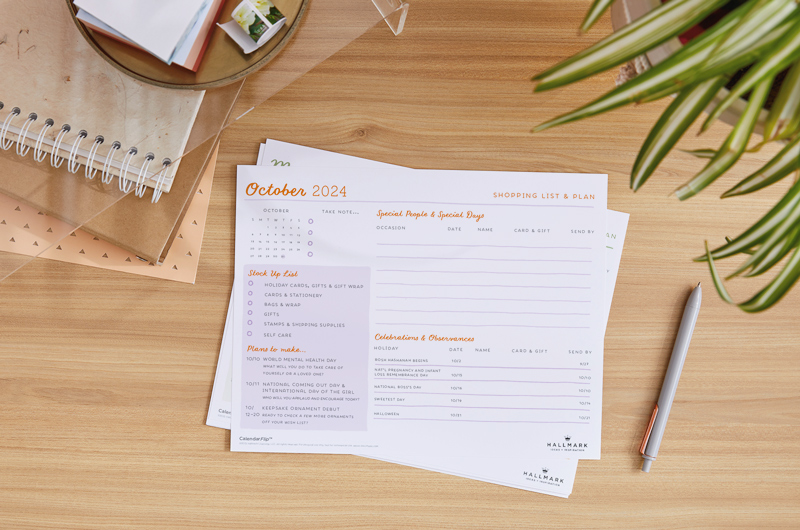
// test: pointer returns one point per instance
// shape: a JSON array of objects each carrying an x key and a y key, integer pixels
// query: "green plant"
[{"x": 760, "y": 38}]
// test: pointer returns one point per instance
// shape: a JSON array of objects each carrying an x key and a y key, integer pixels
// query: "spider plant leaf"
[
  {"x": 768, "y": 296},
  {"x": 762, "y": 228},
  {"x": 755, "y": 37},
  {"x": 595, "y": 12},
  {"x": 701, "y": 153},
  {"x": 785, "y": 52},
  {"x": 680, "y": 114},
  {"x": 757, "y": 24},
  {"x": 668, "y": 76},
  {"x": 784, "y": 116},
  {"x": 655, "y": 79},
  {"x": 750, "y": 7},
  {"x": 654, "y": 28},
  {"x": 729, "y": 240},
  {"x": 780, "y": 232},
  {"x": 723, "y": 293},
  {"x": 782, "y": 165},
  {"x": 757, "y": 13},
  {"x": 777, "y": 288},
  {"x": 777, "y": 253},
  {"x": 734, "y": 145}
]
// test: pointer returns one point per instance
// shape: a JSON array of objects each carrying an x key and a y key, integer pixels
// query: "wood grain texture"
[{"x": 106, "y": 377}]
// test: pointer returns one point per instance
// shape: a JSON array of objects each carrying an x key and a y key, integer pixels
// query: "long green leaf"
[
  {"x": 775, "y": 237},
  {"x": 718, "y": 284},
  {"x": 786, "y": 51},
  {"x": 668, "y": 76},
  {"x": 776, "y": 169},
  {"x": 655, "y": 79},
  {"x": 681, "y": 113},
  {"x": 759, "y": 231},
  {"x": 777, "y": 288},
  {"x": 770, "y": 294},
  {"x": 734, "y": 145},
  {"x": 729, "y": 240},
  {"x": 595, "y": 12},
  {"x": 735, "y": 33},
  {"x": 701, "y": 153},
  {"x": 784, "y": 116},
  {"x": 654, "y": 28},
  {"x": 755, "y": 37},
  {"x": 777, "y": 253}
]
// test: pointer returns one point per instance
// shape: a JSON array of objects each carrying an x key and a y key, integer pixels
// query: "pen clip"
[{"x": 647, "y": 431}]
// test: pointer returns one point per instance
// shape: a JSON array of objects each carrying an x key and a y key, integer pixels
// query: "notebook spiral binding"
[{"x": 73, "y": 165}]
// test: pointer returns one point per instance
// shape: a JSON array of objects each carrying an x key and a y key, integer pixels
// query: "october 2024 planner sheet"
[
  {"x": 453, "y": 313},
  {"x": 550, "y": 475}
]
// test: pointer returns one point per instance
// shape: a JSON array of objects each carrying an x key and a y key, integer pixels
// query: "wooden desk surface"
[{"x": 105, "y": 377}]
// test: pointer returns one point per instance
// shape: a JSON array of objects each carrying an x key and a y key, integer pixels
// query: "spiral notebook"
[
  {"x": 66, "y": 104},
  {"x": 136, "y": 225},
  {"x": 148, "y": 230}
]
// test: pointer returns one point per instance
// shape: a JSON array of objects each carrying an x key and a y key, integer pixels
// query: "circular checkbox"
[
  {"x": 310, "y": 243},
  {"x": 249, "y": 322},
  {"x": 310, "y": 232},
  {"x": 311, "y": 221},
  {"x": 250, "y": 312},
  {"x": 250, "y": 282},
  {"x": 250, "y": 302},
  {"x": 310, "y": 254},
  {"x": 249, "y": 333},
  {"x": 249, "y": 293}
]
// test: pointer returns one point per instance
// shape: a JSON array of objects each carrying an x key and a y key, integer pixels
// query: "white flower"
[
  {"x": 263, "y": 6},
  {"x": 244, "y": 16}
]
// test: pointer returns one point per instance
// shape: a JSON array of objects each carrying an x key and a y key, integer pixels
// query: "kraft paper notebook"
[{"x": 71, "y": 124}]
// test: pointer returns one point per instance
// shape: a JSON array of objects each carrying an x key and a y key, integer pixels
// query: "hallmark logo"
[
  {"x": 544, "y": 477},
  {"x": 567, "y": 445}
]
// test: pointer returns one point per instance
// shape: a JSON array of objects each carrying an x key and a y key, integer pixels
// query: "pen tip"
[{"x": 698, "y": 285}]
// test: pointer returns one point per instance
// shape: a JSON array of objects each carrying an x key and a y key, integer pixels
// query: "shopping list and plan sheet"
[
  {"x": 553, "y": 476},
  {"x": 451, "y": 313}
]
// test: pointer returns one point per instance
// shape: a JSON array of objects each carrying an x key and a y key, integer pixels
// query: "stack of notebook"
[
  {"x": 119, "y": 158},
  {"x": 95, "y": 148}
]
